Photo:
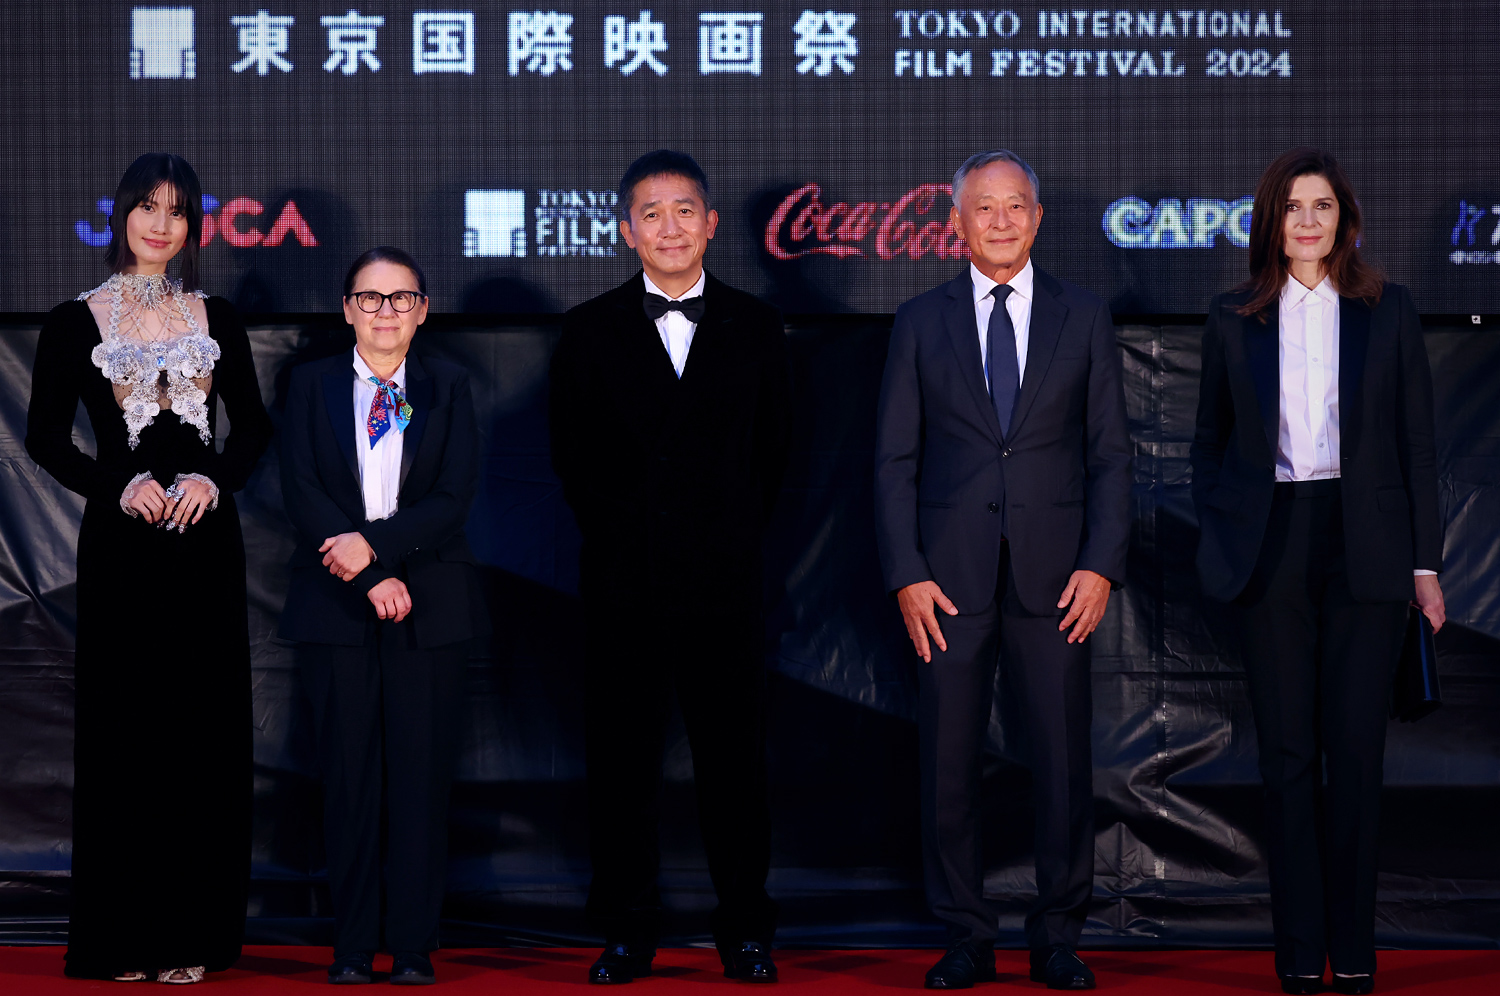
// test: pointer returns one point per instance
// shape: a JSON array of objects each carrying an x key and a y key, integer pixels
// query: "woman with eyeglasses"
[
  {"x": 162, "y": 762},
  {"x": 379, "y": 462}
]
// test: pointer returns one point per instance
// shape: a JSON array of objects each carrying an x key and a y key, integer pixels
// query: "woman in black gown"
[{"x": 161, "y": 804}]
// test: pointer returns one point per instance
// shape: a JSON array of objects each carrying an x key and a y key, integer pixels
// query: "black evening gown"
[{"x": 162, "y": 783}]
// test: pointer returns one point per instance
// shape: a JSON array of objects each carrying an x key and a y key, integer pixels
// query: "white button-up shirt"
[
  {"x": 675, "y": 330},
  {"x": 380, "y": 465},
  {"x": 1307, "y": 445},
  {"x": 1018, "y": 304}
]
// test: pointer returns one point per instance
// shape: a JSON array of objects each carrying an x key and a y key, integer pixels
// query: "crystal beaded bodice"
[{"x": 139, "y": 364}]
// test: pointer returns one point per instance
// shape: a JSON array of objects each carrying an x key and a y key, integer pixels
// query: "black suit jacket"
[
  {"x": 1386, "y": 453},
  {"x": 423, "y": 543},
  {"x": 671, "y": 479},
  {"x": 941, "y": 465}
]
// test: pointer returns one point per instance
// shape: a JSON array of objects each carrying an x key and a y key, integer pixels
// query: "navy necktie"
[{"x": 1005, "y": 371}]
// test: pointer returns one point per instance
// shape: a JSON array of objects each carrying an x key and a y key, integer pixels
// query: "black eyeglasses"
[{"x": 371, "y": 302}]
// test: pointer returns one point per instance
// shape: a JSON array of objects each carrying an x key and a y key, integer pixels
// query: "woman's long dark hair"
[
  {"x": 1269, "y": 266},
  {"x": 139, "y": 182}
]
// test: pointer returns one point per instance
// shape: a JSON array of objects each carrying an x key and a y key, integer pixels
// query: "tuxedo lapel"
[
  {"x": 963, "y": 335},
  {"x": 1047, "y": 317},
  {"x": 419, "y": 395},
  {"x": 1354, "y": 343},
  {"x": 708, "y": 337},
  {"x": 641, "y": 339},
  {"x": 1262, "y": 345},
  {"x": 338, "y": 397}
]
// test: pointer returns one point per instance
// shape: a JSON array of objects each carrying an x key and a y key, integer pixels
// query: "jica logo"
[
  {"x": 1132, "y": 223},
  {"x": 225, "y": 222}
]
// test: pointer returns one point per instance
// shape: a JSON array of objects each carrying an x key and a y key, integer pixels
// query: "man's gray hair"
[{"x": 980, "y": 160}]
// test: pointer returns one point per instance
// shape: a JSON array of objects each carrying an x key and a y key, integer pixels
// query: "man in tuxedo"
[
  {"x": 1002, "y": 481},
  {"x": 669, "y": 418}
]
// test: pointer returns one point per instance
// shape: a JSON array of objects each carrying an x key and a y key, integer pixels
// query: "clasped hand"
[
  {"x": 391, "y": 599},
  {"x": 1088, "y": 592},
  {"x": 346, "y": 554},
  {"x": 159, "y": 508}
]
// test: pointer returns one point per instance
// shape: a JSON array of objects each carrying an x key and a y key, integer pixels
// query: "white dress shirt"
[
  {"x": 676, "y": 331},
  {"x": 1307, "y": 444},
  {"x": 1018, "y": 304},
  {"x": 379, "y": 465}
]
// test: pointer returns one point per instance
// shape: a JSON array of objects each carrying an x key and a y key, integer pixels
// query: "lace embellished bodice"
[{"x": 137, "y": 366}]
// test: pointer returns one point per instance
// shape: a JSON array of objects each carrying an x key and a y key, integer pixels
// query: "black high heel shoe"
[
  {"x": 1299, "y": 985},
  {"x": 1354, "y": 985}
]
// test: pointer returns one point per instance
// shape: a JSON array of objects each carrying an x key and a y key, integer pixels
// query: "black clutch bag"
[{"x": 1416, "y": 692}]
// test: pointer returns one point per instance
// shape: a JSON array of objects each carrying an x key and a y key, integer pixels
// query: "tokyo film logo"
[
  {"x": 161, "y": 44},
  {"x": 495, "y": 223},
  {"x": 576, "y": 223},
  {"x": 561, "y": 222}
]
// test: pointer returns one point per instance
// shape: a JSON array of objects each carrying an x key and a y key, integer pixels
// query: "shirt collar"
[
  {"x": 1020, "y": 284},
  {"x": 364, "y": 373},
  {"x": 694, "y": 291},
  {"x": 1295, "y": 296}
]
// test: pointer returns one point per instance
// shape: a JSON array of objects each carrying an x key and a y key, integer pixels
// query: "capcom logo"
[
  {"x": 494, "y": 223},
  {"x": 1132, "y": 223}
]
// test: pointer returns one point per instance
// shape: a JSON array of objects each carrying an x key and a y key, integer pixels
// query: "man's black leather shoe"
[
  {"x": 962, "y": 966},
  {"x": 1299, "y": 986},
  {"x": 621, "y": 963},
  {"x": 1353, "y": 985},
  {"x": 350, "y": 970},
  {"x": 1060, "y": 967},
  {"x": 411, "y": 968},
  {"x": 750, "y": 962}
]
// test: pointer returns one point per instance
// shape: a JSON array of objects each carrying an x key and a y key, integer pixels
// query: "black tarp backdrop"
[{"x": 1178, "y": 855}]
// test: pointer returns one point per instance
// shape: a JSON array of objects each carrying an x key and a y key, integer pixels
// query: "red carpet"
[{"x": 526, "y": 971}]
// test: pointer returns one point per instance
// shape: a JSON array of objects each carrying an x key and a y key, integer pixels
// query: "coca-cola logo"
[{"x": 915, "y": 226}]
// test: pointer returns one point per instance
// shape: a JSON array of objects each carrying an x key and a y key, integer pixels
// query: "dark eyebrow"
[{"x": 680, "y": 200}]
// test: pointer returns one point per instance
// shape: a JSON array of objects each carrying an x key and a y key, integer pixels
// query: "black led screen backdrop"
[{"x": 488, "y": 139}]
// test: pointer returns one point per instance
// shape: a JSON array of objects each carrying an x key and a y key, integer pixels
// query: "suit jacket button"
[
  {"x": 1005, "y": 452},
  {"x": 993, "y": 507}
]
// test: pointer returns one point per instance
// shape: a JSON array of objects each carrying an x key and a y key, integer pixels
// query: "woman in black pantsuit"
[
  {"x": 379, "y": 462},
  {"x": 161, "y": 800},
  {"x": 1315, "y": 482}
]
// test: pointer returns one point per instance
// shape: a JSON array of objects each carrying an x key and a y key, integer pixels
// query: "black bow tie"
[{"x": 656, "y": 306}]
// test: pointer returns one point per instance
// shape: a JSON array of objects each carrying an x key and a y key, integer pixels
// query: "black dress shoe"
[
  {"x": 1299, "y": 985},
  {"x": 962, "y": 966},
  {"x": 621, "y": 963},
  {"x": 750, "y": 962},
  {"x": 350, "y": 970},
  {"x": 1060, "y": 968},
  {"x": 411, "y": 968},
  {"x": 1353, "y": 985}
]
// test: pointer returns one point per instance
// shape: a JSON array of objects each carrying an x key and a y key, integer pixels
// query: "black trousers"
[
  {"x": 387, "y": 720},
  {"x": 1050, "y": 679},
  {"x": 711, "y": 658},
  {"x": 1320, "y": 666}
]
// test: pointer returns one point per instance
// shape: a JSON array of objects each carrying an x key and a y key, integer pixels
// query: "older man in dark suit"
[
  {"x": 669, "y": 415},
  {"x": 1002, "y": 485}
]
